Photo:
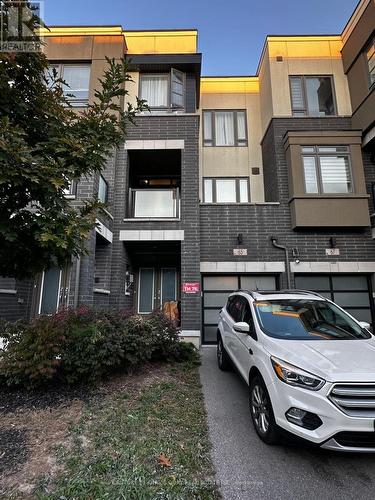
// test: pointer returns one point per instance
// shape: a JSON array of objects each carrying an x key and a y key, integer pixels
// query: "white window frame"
[
  {"x": 105, "y": 183},
  {"x": 237, "y": 180}
]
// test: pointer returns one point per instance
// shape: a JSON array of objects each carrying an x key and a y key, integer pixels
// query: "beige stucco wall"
[
  {"x": 300, "y": 56},
  {"x": 235, "y": 161},
  {"x": 133, "y": 88}
]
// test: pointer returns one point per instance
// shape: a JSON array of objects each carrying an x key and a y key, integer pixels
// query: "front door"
[
  {"x": 155, "y": 287},
  {"x": 51, "y": 291}
]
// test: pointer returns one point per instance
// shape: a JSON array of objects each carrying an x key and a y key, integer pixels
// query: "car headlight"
[{"x": 295, "y": 376}]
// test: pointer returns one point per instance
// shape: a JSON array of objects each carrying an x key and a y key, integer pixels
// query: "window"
[
  {"x": 224, "y": 128},
  {"x": 226, "y": 190},
  {"x": 312, "y": 96},
  {"x": 103, "y": 190},
  {"x": 327, "y": 169},
  {"x": 71, "y": 190},
  {"x": 163, "y": 91},
  {"x": 77, "y": 79},
  {"x": 370, "y": 57}
]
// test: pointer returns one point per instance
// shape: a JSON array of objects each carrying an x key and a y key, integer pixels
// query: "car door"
[
  {"x": 231, "y": 314},
  {"x": 245, "y": 344}
]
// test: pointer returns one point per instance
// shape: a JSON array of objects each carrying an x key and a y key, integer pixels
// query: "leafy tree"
[{"x": 44, "y": 145}]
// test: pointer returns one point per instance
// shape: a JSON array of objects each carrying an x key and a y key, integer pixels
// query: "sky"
[{"x": 231, "y": 33}]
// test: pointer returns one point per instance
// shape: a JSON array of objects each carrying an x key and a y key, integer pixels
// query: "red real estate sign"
[{"x": 191, "y": 287}]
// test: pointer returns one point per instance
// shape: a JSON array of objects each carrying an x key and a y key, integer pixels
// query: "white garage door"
[{"x": 216, "y": 290}]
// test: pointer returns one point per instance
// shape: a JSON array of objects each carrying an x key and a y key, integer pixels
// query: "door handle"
[{"x": 250, "y": 351}]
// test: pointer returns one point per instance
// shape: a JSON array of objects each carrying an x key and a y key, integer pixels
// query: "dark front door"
[
  {"x": 155, "y": 287},
  {"x": 51, "y": 291}
]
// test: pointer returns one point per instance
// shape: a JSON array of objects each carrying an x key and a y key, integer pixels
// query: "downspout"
[
  {"x": 76, "y": 282},
  {"x": 287, "y": 265}
]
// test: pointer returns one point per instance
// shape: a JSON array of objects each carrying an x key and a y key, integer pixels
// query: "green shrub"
[
  {"x": 85, "y": 345},
  {"x": 31, "y": 351}
]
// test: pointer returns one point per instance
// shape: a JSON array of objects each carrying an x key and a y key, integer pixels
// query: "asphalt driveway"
[{"x": 248, "y": 469}]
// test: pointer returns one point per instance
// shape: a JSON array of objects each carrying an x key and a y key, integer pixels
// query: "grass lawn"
[{"x": 135, "y": 437}]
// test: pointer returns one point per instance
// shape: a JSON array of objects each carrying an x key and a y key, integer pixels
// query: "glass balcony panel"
[{"x": 155, "y": 203}]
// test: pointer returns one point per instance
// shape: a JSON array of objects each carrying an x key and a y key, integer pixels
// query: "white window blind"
[
  {"x": 335, "y": 174},
  {"x": 296, "y": 89}
]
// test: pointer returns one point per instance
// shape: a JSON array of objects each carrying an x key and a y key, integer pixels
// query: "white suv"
[{"x": 310, "y": 367}]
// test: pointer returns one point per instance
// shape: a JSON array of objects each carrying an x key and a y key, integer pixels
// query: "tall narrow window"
[
  {"x": 312, "y": 96},
  {"x": 327, "y": 169},
  {"x": 224, "y": 128},
  {"x": 177, "y": 88},
  {"x": 103, "y": 190},
  {"x": 370, "y": 57}
]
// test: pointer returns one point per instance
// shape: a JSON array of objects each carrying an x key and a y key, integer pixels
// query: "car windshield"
[{"x": 301, "y": 319}]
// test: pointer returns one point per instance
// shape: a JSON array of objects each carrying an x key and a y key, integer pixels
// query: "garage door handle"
[{"x": 251, "y": 351}]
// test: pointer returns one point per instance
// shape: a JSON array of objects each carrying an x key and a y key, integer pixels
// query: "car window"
[
  {"x": 302, "y": 319},
  {"x": 247, "y": 316},
  {"x": 234, "y": 307}
]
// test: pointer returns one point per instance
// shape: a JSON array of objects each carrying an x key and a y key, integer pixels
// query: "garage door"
[
  {"x": 352, "y": 292},
  {"x": 216, "y": 290}
]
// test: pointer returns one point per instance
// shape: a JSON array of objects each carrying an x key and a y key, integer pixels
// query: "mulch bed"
[{"x": 13, "y": 449}]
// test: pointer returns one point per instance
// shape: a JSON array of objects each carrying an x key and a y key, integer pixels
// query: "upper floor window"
[
  {"x": 103, "y": 190},
  {"x": 226, "y": 190},
  {"x": 77, "y": 79},
  {"x": 163, "y": 91},
  {"x": 370, "y": 56},
  {"x": 327, "y": 169},
  {"x": 312, "y": 96},
  {"x": 224, "y": 128}
]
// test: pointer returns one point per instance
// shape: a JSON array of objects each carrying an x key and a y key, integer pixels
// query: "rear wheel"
[
  {"x": 223, "y": 359},
  {"x": 262, "y": 412}
]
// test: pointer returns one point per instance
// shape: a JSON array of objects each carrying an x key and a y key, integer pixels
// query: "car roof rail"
[
  {"x": 304, "y": 292},
  {"x": 287, "y": 290}
]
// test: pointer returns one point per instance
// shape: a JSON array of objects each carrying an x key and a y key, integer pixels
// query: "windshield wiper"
[{"x": 332, "y": 325}]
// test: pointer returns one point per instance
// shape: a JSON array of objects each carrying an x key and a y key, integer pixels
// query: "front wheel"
[
  {"x": 262, "y": 412},
  {"x": 223, "y": 359}
]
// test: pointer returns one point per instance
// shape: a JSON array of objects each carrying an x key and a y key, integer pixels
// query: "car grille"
[
  {"x": 355, "y": 400},
  {"x": 356, "y": 439}
]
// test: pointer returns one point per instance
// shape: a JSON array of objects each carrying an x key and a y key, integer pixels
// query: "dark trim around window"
[
  {"x": 237, "y": 142},
  {"x": 305, "y": 111},
  {"x": 317, "y": 155},
  {"x": 214, "y": 190}
]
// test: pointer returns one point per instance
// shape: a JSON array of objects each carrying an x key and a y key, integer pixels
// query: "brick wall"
[{"x": 219, "y": 225}]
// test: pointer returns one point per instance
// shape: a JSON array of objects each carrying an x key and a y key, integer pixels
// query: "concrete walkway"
[{"x": 246, "y": 468}]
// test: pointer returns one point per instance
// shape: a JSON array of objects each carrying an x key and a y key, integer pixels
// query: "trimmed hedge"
[{"x": 85, "y": 345}]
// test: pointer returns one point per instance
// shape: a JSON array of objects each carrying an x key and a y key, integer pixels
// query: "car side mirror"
[
  {"x": 365, "y": 325},
  {"x": 241, "y": 327}
]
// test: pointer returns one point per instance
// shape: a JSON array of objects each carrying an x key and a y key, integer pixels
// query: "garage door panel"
[
  {"x": 211, "y": 316},
  {"x": 258, "y": 282},
  {"x": 360, "y": 314},
  {"x": 350, "y": 299},
  {"x": 312, "y": 282},
  {"x": 212, "y": 299},
  {"x": 349, "y": 283},
  {"x": 220, "y": 282}
]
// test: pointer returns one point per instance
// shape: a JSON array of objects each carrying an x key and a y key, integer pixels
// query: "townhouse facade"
[{"x": 263, "y": 181}]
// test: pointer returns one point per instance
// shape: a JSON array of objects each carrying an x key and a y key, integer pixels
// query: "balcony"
[{"x": 154, "y": 203}]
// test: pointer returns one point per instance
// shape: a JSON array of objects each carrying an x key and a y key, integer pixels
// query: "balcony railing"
[{"x": 154, "y": 203}]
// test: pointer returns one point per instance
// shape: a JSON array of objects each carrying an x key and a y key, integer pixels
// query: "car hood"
[{"x": 333, "y": 360}]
